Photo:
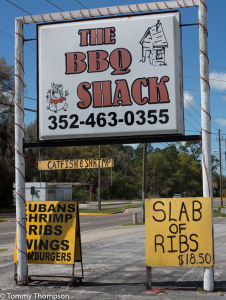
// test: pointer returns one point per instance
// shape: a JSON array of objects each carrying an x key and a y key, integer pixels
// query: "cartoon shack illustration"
[
  {"x": 153, "y": 45},
  {"x": 56, "y": 98}
]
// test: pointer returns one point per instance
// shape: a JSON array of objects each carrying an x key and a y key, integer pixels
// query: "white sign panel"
[{"x": 110, "y": 77}]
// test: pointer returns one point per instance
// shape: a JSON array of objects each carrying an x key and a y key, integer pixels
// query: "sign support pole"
[
  {"x": 90, "y": 191},
  {"x": 144, "y": 180},
  {"x": 19, "y": 156},
  {"x": 90, "y": 200},
  {"x": 208, "y": 282}
]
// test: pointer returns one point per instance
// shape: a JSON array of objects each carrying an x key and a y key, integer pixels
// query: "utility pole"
[
  {"x": 99, "y": 187},
  {"x": 221, "y": 191},
  {"x": 144, "y": 180},
  {"x": 111, "y": 164}
]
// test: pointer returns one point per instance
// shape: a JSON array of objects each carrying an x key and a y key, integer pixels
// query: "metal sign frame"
[{"x": 19, "y": 107}]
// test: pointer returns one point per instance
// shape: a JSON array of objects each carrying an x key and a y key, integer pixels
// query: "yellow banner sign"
[
  {"x": 179, "y": 232},
  {"x": 51, "y": 231},
  {"x": 76, "y": 164}
]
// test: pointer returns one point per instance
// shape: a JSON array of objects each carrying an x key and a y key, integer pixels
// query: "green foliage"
[
  {"x": 6, "y": 134},
  {"x": 6, "y": 76},
  {"x": 175, "y": 169},
  {"x": 170, "y": 171},
  {"x": 112, "y": 209},
  {"x": 218, "y": 213},
  {"x": 192, "y": 148},
  {"x": 131, "y": 224},
  {"x": 215, "y": 163},
  {"x": 124, "y": 184}
]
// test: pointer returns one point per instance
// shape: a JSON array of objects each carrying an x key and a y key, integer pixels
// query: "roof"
[
  {"x": 67, "y": 183},
  {"x": 155, "y": 36}
]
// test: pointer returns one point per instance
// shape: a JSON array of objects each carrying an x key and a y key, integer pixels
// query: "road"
[{"x": 88, "y": 224}]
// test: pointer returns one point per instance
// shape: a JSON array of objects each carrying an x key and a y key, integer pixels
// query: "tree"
[
  {"x": 215, "y": 163},
  {"x": 193, "y": 148},
  {"x": 6, "y": 133},
  {"x": 138, "y": 153},
  {"x": 191, "y": 174},
  {"x": 170, "y": 171}
]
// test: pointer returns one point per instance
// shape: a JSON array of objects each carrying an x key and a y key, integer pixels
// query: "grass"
[
  {"x": 3, "y": 250},
  {"x": 199, "y": 289},
  {"x": 7, "y": 210},
  {"x": 130, "y": 224},
  {"x": 112, "y": 209},
  {"x": 217, "y": 213},
  {"x": 220, "y": 290},
  {"x": 113, "y": 203}
]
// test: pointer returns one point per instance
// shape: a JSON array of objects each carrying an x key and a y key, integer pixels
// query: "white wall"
[{"x": 45, "y": 192}]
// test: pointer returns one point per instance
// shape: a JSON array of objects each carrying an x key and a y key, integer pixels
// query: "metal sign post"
[
  {"x": 32, "y": 191},
  {"x": 19, "y": 156},
  {"x": 208, "y": 282},
  {"x": 90, "y": 190}
]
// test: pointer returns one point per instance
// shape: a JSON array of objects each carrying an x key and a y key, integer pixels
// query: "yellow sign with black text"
[
  {"x": 76, "y": 164},
  {"x": 53, "y": 232},
  {"x": 179, "y": 232}
]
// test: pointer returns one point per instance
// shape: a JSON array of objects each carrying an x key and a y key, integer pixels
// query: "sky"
[{"x": 216, "y": 23}]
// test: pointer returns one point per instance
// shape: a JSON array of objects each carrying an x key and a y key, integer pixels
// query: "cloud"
[
  {"x": 189, "y": 101},
  {"x": 219, "y": 82},
  {"x": 221, "y": 122}
]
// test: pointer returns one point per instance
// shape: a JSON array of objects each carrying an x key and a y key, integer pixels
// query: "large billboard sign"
[{"x": 112, "y": 77}]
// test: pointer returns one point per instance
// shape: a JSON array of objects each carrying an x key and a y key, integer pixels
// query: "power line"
[
  {"x": 209, "y": 78},
  {"x": 18, "y": 7},
  {"x": 209, "y": 66},
  {"x": 13, "y": 93},
  {"x": 14, "y": 39},
  {"x": 30, "y": 98},
  {"x": 192, "y": 106},
  {"x": 197, "y": 112},
  {"x": 54, "y": 5},
  {"x": 200, "y": 92},
  {"x": 196, "y": 131},
  {"x": 164, "y": 145},
  {"x": 184, "y": 63},
  {"x": 192, "y": 126},
  {"x": 190, "y": 130},
  {"x": 193, "y": 118},
  {"x": 11, "y": 105},
  {"x": 81, "y": 4}
]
